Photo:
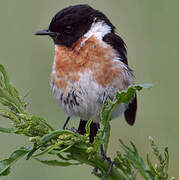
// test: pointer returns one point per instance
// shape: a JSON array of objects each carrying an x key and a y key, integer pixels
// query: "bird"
[{"x": 90, "y": 65}]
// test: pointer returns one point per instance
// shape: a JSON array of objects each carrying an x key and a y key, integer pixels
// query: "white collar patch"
[{"x": 99, "y": 30}]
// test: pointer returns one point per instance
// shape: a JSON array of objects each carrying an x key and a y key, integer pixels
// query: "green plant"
[{"x": 69, "y": 148}]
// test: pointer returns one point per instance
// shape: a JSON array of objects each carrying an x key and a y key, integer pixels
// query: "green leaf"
[
  {"x": 87, "y": 127},
  {"x": 56, "y": 162},
  {"x": 44, "y": 122},
  {"x": 52, "y": 135},
  {"x": 152, "y": 169},
  {"x": 5, "y": 102},
  {"x": 109, "y": 106},
  {"x": 6, "y": 80},
  {"x": 7, "y": 163},
  {"x": 8, "y": 92},
  {"x": 11, "y": 130},
  {"x": 6, "y": 172},
  {"x": 10, "y": 99},
  {"x": 124, "y": 96},
  {"x": 12, "y": 90},
  {"x": 48, "y": 149},
  {"x": 166, "y": 154},
  {"x": 136, "y": 161},
  {"x": 104, "y": 131},
  {"x": 31, "y": 152},
  {"x": 62, "y": 157},
  {"x": 9, "y": 114},
  {"x": 15, "y": 93}
]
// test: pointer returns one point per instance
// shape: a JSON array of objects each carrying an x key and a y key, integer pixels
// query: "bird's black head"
[{"x": 71, "y": 23}]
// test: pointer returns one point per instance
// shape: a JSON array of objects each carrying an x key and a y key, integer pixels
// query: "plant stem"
[
  {"x": 96, "y": 162},
  {"x": 114, "y": 175}
]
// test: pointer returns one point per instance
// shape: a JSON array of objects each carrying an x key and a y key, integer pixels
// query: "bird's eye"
[{"x": 68, "y": 29}]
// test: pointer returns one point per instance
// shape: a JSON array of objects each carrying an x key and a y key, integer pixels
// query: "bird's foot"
[
  {"x": 96, "y": 172},
  {"x": 108, "y": 159},
  {"x": 71, "y": 129},
  {"x": 74, "y": 130}
]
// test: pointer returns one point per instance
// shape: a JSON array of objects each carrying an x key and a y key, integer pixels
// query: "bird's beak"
[{"x": 44, "y": 32}]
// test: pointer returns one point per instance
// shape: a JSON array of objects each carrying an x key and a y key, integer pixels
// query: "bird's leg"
[
  {"x": 66, "y": 122},
  {"x": 108, "y": 159}
]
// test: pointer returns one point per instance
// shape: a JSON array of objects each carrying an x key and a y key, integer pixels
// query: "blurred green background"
[{"x": 150, "y": 29}]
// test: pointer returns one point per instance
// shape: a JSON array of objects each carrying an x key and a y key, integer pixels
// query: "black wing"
[
  {"x": 131, "y": 110},
  {"x": 119, "y": 45}
]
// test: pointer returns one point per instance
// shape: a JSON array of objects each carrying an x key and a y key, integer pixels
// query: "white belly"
[{"x": 85, "y": 98}]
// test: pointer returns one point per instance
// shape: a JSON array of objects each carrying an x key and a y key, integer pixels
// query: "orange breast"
[{"x": 93, "y": 56}]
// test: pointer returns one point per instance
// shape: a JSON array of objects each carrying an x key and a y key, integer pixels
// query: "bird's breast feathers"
[
  {"x": 99, "y": 61},
  {"x": 84, "y": 76}
]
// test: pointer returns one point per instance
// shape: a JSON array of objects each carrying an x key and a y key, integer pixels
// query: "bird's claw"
[
  {"x": 74, "y": 130},
  {"x": 108, "y": 159}
]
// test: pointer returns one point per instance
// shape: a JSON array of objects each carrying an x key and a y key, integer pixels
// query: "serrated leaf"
[
  {"x": 109, "y": 106},
  {"x": 56, "y": 162},
  {"x": 104, "y": 131},
  {"x": 7, "y": 163}
]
